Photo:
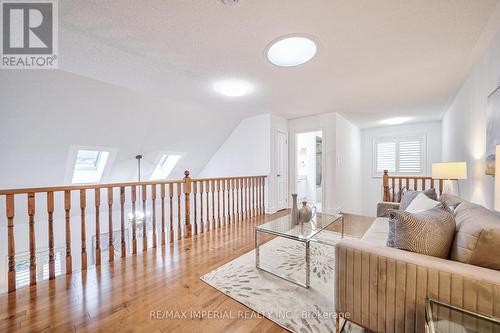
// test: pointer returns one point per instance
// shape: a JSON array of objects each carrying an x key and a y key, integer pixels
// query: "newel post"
[
  {"x": 386, "y": 186},
  {"x": 187, "y": 206}
]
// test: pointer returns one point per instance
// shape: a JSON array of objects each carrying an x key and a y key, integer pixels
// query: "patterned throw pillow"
[
  {"x": 408, "y": 196},
  {"x": 430, "y": 232}
]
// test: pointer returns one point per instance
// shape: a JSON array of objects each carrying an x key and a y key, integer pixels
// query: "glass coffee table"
[
  {"x": 445, "y": 318},
  {"x": 304, "y": 233}
]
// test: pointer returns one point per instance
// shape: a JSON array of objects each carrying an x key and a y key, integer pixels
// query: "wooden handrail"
[
  {"x": 183, "y": 194},
  {"x": 393, "y": 185}
]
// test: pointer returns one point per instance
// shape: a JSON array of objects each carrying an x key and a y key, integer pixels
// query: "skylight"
[
  {"x": 165, "y": 166},
  {"x": 89, "y": 166}
]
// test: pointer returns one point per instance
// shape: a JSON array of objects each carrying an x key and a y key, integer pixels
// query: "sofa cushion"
[
  {"x": 409, "y": 195},
  {"x": 430, "y": 232},
  {"x": 477, "y": 240},
  {"x": 377, "y": 233}
]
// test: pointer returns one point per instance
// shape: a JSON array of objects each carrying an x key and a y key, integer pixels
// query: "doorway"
[
  {"x": 281, "y": 170},
  {"x": 309, "y": 171}
]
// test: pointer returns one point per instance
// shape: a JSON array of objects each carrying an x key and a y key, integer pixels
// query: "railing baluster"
[
  {"x": 263, "y": 195},
  {"x": 218, "y": 204},
  {"x": 162, "y": 214},
  {"x": 202, "y": 222},
  {"x": 11, "y": 275},
  {"x": 83, "y": 204},
  {"x": 187, "y": 205},
  {"x": 111, "y": 246},
  {"x": 230, "y": 200},
  {"x": 31, "y": 213},
  {"x": 224, "y": 215},
  {"x": 50, "y": 211},
  {"x": 212, "y": 223},
  {"x": 153, "y": 204},
  {"x": 171, "y": 229},
  {"x": 97, "y": 227},
  {"x": 238, "y": 199},
  {"x": 247, "y": 181},
  {"x": 134, "y": 220},
  {"x": 259, "y": 212},
  {"x": 179, "y": 227},
  {"x": 254, "y": 213},
  {"x": 207, "y": 189},
  {"x": 415, "y": 184},
  {"x": 144, "y": 193},
  {"x": 122, "y": 223},
  {"x": 195, "y": 203},
  {"x": 67, "y": 213}
]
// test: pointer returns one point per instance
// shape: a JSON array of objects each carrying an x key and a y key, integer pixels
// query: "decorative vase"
[
  {"x": 295, "y": 210},
  {"x": 306, "y": 213}
]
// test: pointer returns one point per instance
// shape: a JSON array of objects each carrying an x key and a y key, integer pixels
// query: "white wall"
[
  {"x": 246, "y": 152},
  {"x": 249, "y": 151},
  {"x": 464, "y": 125},
  {"x": 333, "y": 192},
  {"x": 348, "y": 137},
  {"x": 372, "y": 186}
]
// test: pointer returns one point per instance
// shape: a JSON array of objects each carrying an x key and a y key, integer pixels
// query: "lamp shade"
[
  {"x": 497, "y": 179},
  {"x": 450, "y": 170}
]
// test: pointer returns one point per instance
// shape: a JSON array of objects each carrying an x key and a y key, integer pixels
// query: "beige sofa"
[{"x": 384, "y": 289}]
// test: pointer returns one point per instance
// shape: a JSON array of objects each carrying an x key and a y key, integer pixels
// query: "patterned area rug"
[{"x": 293, "y": 307}]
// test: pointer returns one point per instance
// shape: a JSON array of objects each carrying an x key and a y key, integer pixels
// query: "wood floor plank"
[{"x": 121, "y": 296}]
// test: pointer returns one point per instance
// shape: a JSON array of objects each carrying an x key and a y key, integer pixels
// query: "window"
[
  {"x": 89, "y": 166},
  {"x": 403, "y": 155},
  {"x": 22, "y": 263},
  {"x": 165, "y": 166}
]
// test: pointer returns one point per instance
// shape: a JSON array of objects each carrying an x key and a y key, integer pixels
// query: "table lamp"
[
  {"x": 497, "y": 180},
  {"x": 450, "y": 172}
]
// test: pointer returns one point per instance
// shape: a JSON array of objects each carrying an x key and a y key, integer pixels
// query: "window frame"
[
  {"x": 158, "y": 164},
  {"x": 42, "y": 257},
  {"x": 422, "y": 137}
]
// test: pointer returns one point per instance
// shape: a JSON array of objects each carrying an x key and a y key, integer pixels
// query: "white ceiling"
[{"x": 376, "y": 59}]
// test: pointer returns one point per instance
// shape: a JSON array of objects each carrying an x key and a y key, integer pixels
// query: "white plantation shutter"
[
  {"x": 22, "y": 262},
  {"x": 386, "y": 156},
  {"x": 400, "y": 155},
  {"x": 410, "y": 157}
]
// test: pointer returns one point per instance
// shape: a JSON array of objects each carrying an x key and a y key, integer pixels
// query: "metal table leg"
[
  {"x": 308, "y": 265},
  {"x": 257, "y": 250}
]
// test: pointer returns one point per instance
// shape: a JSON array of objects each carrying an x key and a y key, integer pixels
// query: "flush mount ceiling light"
[
  {"x": 395, "y": 121},
  {"x": 233, "y": 87},
  {"x": 291, "y": 51}
]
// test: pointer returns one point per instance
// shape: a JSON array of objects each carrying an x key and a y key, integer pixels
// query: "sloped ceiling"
[{"x": 136, "y": 75}]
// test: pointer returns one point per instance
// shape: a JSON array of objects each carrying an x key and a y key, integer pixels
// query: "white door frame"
[
  {"x": 323, "y": 162},
  {"x": 286, "y": 172}
]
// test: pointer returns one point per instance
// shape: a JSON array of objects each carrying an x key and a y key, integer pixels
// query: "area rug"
[{"x": 295, "y": 308}]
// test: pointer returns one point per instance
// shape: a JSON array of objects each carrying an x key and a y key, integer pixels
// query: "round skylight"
[
  {"x": 291, "y": 51},
  {"x": 233, "y": 87}
]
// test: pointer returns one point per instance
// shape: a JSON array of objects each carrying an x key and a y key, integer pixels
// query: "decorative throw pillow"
[
  {"x": 450, "y": 200},
  {"x": 409, "y": 195},
  {"x": 421, "y": 203},
  {"x": 430, "y": 232},
  {"x": 477, "y": 240}
]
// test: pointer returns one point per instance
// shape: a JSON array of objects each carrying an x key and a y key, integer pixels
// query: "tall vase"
[{"x": 295, "y": 210}]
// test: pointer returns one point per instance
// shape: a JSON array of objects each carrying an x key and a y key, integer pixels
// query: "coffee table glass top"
[
  {"x": 444, "y": 318},
  {"x": 283, "y": 226}
]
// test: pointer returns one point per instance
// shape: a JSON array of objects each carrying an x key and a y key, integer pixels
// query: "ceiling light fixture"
[
  {"x": 233, "y": 87},
  {"x": 291, "y": 51},
  {"x": 395, "y": 121}
]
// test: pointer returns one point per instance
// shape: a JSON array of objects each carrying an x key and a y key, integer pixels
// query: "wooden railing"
[
  {"x": 393, "y": 185},
  {"x": 233, "y": 198}
]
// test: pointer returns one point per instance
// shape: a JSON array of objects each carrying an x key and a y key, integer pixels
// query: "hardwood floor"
[{"x": 150, "y": 293}]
